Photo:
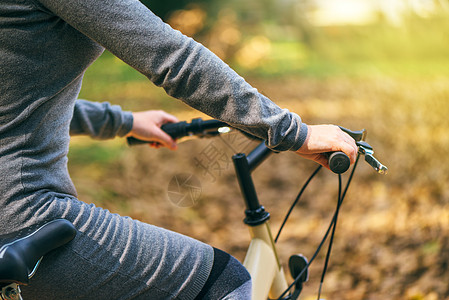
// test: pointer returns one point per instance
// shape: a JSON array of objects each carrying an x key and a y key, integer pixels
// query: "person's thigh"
[{"x": 114, "y": 257}]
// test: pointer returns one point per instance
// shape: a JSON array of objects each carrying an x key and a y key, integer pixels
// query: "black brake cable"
[
  {"x": 341, "y": 196},
  {"x": 296, "y": 201},
  {"x": 331, "y": 225},
  {"x": 331, "y": 239}
]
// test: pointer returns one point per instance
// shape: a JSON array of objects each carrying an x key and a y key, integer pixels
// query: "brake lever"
[
  {"x": 366, "y": 149},
  {"x": 357, "y": 135},
  {"x": 368, "y": 152}
]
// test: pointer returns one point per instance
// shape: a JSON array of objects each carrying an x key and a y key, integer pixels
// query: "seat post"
[{"x": 11, "y": 292}]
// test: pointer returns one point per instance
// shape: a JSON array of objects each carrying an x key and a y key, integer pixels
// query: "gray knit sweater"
[{"x": 45, "y": 48}]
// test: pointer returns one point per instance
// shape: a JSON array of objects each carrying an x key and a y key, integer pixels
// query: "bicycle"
[
  {"x": 262, "y": 260},
  {"x": 19, "y": 259}
]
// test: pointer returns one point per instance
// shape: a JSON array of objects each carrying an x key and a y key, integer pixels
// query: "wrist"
[{"x": 128, "y": 123}]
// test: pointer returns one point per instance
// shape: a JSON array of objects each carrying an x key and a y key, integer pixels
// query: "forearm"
[
  {"x": 183, "y": 67},
  {"x": 100, "y": 120}
]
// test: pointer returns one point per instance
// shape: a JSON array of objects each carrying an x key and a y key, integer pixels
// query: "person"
[{"x": 45, "y": 48}]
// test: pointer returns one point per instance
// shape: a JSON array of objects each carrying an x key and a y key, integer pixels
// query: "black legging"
[{"x": 227, "y": 276}]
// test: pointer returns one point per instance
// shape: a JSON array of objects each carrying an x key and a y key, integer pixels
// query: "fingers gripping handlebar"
[
  {"x": 338, "y": 161},
  {"x": 197, "y": 127}
]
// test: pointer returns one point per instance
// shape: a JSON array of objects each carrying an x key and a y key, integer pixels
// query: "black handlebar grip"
[
  {"x": 175, "y": 130},
  {"x": 339, "y": 162},
  {"x": 132, "y": 141}
]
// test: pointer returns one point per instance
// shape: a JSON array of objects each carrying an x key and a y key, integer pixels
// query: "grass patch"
[{"x": 90, "y": 153}]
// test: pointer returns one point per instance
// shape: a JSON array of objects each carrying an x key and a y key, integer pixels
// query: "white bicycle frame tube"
[{"x": 261, "y": 261}]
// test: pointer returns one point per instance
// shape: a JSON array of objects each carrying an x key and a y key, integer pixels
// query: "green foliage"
[
  {"x": 417, "y": 48},
  {"x": 94, "y": 154}
]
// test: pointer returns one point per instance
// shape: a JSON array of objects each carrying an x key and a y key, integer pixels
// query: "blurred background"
[{"x": 375, "y": 64}]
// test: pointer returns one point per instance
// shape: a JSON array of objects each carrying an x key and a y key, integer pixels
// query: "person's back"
[{"x": 42, "y": 59}]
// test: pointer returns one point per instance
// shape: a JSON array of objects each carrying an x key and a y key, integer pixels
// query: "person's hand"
[
  {"x": 147, "y": 127},
  {"x": 327, "y": 138}
]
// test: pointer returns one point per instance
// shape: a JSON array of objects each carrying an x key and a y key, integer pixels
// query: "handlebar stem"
[
  {"x": 258, "y": 155},
  {"x": 255, "y": 213}
]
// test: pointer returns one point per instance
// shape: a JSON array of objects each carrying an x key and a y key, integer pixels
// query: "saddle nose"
[{"x": 19, "y": 259}]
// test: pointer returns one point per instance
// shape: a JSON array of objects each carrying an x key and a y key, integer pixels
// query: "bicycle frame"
[{"x": 263, "y": 264}]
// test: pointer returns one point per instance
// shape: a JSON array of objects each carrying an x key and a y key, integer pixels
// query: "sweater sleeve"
[
  {"x": 100, "y": 120},
  {"x": 184, "y": 68}
]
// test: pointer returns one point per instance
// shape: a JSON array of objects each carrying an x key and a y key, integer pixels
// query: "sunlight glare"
[{"x": 347, "y": 12}]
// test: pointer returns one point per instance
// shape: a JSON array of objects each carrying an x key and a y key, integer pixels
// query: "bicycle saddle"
[{"x": 19, "y": 259}]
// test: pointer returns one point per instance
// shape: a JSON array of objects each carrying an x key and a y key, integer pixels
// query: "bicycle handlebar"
[
  {"x": 338, "y": 161},
  {"x": 198, "y": 127}
]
